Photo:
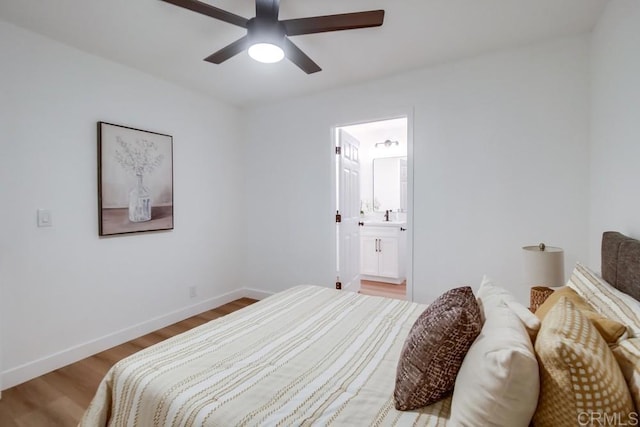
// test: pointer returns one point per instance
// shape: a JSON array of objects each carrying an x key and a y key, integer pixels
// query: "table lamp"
[{"x": 543, "y": 265}]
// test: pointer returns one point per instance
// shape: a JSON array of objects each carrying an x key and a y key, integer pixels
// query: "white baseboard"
[
  {"x": 354, "y": 286},
  {"x": 256, "y": 293},
  {"x": 395, "y": 281},
  {"x": 36, "y": 368}
]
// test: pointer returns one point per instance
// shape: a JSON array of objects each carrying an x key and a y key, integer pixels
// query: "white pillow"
[
  {"x": 491, "y": 296},
  {"x": 498, "y": 382},
  {"x": 606, "y": 299}
]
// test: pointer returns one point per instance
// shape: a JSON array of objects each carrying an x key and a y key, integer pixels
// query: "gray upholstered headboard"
[{"x": 621, "y": 262}]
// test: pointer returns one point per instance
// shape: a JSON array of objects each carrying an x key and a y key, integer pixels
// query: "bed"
[
  {"x": 309, "y": 354},
  {"x": 306, "y": 356}
]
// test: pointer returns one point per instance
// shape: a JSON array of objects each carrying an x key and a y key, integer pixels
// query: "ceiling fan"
[{"x": 267, "y": 37}]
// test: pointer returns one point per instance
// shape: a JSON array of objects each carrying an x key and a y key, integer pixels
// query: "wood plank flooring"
[
  {"x": 59, "y": 398},
  {"x": 383, "y": 289}
]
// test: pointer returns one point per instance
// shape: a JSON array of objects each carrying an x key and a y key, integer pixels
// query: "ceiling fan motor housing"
[{"x": 265, "y": 30}]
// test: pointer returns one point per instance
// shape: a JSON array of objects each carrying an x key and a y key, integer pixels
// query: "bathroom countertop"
[{"x": 376, "y": 223}]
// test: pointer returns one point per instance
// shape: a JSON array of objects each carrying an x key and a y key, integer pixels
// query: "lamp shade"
[{"x": 543, "y": 265}]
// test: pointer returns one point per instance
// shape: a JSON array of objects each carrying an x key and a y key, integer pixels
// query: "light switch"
[{"x": 44, "y": 218}]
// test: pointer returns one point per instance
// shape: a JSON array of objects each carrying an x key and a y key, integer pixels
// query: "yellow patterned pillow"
[
  {"x": 580, "y": 378},
  {"x": 628, "y": 356},
  {"x": 610, "y": 330}
]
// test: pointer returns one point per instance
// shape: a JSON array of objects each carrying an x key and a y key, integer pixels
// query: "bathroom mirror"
[{"x": 390, "y": 184}]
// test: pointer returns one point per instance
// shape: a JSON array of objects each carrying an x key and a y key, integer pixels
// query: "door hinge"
[
  {"x": 338, "y": 150},
  {"x": 338, "y": 216}
]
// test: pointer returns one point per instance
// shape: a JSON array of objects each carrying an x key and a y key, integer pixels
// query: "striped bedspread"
[{"x": 306, "y": 356}]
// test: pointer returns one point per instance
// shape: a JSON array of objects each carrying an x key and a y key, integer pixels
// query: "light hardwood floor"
[
  {"x": 382, "y": 289},
  {"x": 59, "y": 398}
]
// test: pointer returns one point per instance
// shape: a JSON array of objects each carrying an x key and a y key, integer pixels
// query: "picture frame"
[{"x": 135, "y": 180}]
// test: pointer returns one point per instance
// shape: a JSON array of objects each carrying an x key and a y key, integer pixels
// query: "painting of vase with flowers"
[{"x": 135, "y": 183}]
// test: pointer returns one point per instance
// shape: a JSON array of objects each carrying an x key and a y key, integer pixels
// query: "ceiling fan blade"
[
  {"x": 323, "y": 24},
  {"x": 227, "y": 52},
  {"x": 267, "y": 9},
  {"x": 212, "y": 11},
  {"x": 299, "y": 58}
]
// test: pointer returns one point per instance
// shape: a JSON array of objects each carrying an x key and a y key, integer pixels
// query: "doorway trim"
[{"x": 395, "y": 114}]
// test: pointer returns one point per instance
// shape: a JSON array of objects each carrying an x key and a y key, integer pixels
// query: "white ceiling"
[{"x": 170, "y": 42}]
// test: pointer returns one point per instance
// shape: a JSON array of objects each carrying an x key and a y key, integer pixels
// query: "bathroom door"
[{"x": 349, "y": 206}]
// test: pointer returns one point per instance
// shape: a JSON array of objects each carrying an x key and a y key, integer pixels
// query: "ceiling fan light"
[{"x": 266, "y": 52}]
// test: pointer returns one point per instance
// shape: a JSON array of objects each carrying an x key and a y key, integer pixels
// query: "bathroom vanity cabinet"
[{"x": 382, "y": 252}]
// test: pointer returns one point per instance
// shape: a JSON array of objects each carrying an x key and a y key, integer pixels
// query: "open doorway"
[{"x": 372, "y": 199}]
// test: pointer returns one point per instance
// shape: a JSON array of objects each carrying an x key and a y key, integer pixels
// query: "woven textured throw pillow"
[{"x": 434, "y": 350}]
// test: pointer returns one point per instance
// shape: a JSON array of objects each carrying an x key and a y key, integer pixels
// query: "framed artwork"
[{"x": 135, "y": 180}]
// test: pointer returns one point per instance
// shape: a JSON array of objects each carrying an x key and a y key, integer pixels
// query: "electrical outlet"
[{"x": 193, "y": 292}]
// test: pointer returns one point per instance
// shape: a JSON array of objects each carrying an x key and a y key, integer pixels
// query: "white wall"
[
  {"x": 615, "y": 124},
  {"x": 501, "y": 161},
  {"x": 66, "y": 293}
]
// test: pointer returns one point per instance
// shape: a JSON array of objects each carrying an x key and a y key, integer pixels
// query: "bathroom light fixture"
[{"x": 387, "y": 143}]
